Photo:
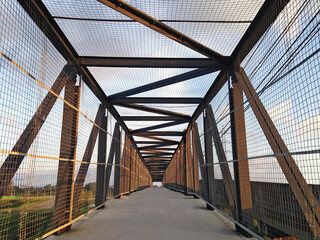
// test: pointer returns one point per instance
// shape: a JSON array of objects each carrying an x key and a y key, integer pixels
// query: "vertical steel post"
[
  {"x": 197, "y": 148},
  {"x": 102, "y": 154},
  {"x": 111, "y": 157},
  {"x": 208, "y": 157},
  {"x": 185, "y": 166},
  {"x": 82, "y": 173},
  {"x": 117, "y": 165},
  {"x": 193, "y": 158},
  {"x": 130, "y": 168},
  {"x": 224, "y": 166},
  {"x": 241, "y": 197},
  {"x": 69, "y": 135}
]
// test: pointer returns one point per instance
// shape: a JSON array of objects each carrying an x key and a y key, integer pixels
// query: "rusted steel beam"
[
  {"x": 153, "y": 110},
  {"x": 241, "y": 149},
  {"x": 163, "y": 29},
  {"x": 161, "y": 139},
  {"x": 115, "y": 138},
  {"x": 161, "y": 148},
  {"x": 158, "y": 133},
  {"x": 208, "y": 156},
  {"x": 155, "y": 151},
  {"x": 82, "y": 173},
  {"x": 163, "y": 83},
  {"x": 156, "y": 146},
  {"x": 224, "y": 166},
  {"x": 199, "y": 155},
  {"x": 23, "y": 144},
  {"x": 185, "y": 173},
  {"x": 159, "y": 126},
  {"x": 100, "y": 196},
  {"x": 151, "y": 100},
  {"x": 117, "y": 168},
  {"x": 156, "y": 154},
  {"x": 69, "y": 134},
  {"x": 195, "y": 161},
  {"x": 90, "y": 61},
  {"x": 154, "y": 118},
  {"x": 243, "y": 198},
  {"x": 296, "y": 180},
  {"x": 189, "y": 163},
  {"x": 147, "y": 142}
]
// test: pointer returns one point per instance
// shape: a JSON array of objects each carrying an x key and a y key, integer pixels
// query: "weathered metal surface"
[
  {"x": 68, "y": 145},
  {"x": 23, "y": 144},
  {"x": 296, "y": 180}
]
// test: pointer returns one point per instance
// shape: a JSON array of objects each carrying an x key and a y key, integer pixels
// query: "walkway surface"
[{"x": 154, "y": 213}]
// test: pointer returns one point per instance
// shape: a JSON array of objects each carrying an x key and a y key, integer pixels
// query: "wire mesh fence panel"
[
  {"x": 50, "y": 127},
  {"x": 273, "y": 150},
  {"x": 252, "y": 153},
  {"x": 282, "y": 70}
]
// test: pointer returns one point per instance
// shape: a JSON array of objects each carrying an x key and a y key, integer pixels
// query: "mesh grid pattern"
[
  {"x": 34, "y": 200},
  {"x": 52, "y": 125}
]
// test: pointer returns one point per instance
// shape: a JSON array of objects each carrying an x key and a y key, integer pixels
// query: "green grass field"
[{"x": 25, "y": 218}]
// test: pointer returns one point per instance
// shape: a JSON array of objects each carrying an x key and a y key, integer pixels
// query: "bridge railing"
[
  {"x": 254, "y": 151},
  {"x": 62, "y": 154}
]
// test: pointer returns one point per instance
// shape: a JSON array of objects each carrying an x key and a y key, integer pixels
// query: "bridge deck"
[{"x": 154, "y": 213}]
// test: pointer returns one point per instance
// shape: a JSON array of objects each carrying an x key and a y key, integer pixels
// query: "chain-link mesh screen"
[
  {"x": 270, "y": 134},
  {"x": 58, "y": 144}
]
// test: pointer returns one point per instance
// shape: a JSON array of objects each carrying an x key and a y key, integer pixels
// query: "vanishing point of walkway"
[{"x": 154, "y": 213}]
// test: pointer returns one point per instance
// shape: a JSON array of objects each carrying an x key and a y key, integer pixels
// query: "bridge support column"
[
  {"x": 68, "y": 146},
  {"x": 195, "y": 162},
  {"x": 100, "y": 197},
  {"x": 82, "y": 173},
  {"x": 115, "y": 138},
  {"x": 199, "y": 154},
  {"x": 117, "y": 165},
  {"x": 242, "y": 183},
  {"x": 225, "y": 170},
  {"x": 130, "y": 168},
  {"x": 209, "y": 158},
  {"x": 185, "y": 173}
]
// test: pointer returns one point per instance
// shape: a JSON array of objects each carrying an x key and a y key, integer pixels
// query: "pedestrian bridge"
[{"x": 215, "y": 101}]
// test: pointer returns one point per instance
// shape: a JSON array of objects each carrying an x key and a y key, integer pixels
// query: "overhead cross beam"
[
  {"x": 158, "y": 100},
  {"x": 153, "y": 110},
  {"x": 155, "y": 142},
  {"x": 154, "y": 118},
  {"x": 163, "y": 83},
  {"x": 150, "y": 62},
  {"x": 160, "y": 148},
  {"x": 155, "y": 146},
  {"x": 159, "y": 133},
  {"x": 169, "y": 124},
  {"x": 155, "y": 151},
  {"x": 158, "y": 160},
  {"x": 161, "y": 139},
  {"x": 163, "y": 29}
]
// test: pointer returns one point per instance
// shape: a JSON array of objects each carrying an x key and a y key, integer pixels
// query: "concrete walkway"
[{"x": 154, "y": 213}]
